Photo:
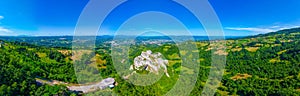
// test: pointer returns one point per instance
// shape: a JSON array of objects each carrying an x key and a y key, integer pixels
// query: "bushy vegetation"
[{"x": 21, "y": 63}]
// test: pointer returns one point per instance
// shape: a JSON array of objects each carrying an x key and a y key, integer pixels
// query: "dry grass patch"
[
  {"x": 221, "y": 52},
  {"x": 41, "y": 55},
  {"x": 200, "y": 44},
  {"x": 240, "y": 76},
  {"x": 258, "y": 45},
  {"x": 223, "y": 93},
  {"x": 65, "y": 52},
  {"x": 78, "y": 53},
  {"x": 172, "y": 62},
  {"x": 274, "y": 60},
  {"x": 252, "y": 49},
  {"x": 182, "y": 52},
  {"x": 99, "y": 62},
  {"x": 228, "y": 47},
  {"x": 226, "y": 72},
  {"x": 168, "y": 47},
  {"x": 236, "y": 49},
  {"x": 201, "y": 59},
  {"x": 281, "y": 52},
  {"x": 187, "y": 70},
  {"x": 174, "y": 56},
  {"x": 208, "y": 49},
  {"x": 274, "y": 45},
  {"x": 195, "y": 51}
]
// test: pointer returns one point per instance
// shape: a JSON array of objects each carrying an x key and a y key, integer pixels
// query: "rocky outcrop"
[{"x": 151, "y": 62}]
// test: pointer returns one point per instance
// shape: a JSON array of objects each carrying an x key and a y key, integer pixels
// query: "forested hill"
[
  {"x": 280, "y": 32},
  {"x": 266, "y": 64},
  {"x": 22, "y": 63}
]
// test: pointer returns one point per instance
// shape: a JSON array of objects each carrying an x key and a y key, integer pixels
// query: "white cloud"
[
  {"x": 262, "y": 30},
  {"x": 288, "y": 27},
  {"x": 2, "y": 29}
]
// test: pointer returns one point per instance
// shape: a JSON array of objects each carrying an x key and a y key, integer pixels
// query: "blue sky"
[{"x": 59, "y": 17}]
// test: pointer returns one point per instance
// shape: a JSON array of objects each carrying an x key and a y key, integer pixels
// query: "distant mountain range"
[{"x": 66, "y": 41}]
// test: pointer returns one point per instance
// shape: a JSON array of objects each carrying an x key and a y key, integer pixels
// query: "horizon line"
[{"x": 111, "y": 35}]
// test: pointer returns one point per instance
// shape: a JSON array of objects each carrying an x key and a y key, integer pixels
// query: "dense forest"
[
  {"x": 266, "y": 64},
  {"x": 22, "y": 63}
]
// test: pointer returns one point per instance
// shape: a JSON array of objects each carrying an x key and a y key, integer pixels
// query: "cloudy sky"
[{"x": 59, "y": 17}]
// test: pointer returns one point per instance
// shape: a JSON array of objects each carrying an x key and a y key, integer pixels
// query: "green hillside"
[
  {"x": 258, "y": 65},
  {"x": 21, "y": 64},
  {"x": 266, "y": 64}
]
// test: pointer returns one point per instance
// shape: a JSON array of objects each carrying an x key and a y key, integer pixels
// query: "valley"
[{"x": 266, "y": 64}]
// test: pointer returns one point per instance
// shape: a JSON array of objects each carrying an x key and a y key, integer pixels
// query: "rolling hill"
[{"x": 266, "y": 64}]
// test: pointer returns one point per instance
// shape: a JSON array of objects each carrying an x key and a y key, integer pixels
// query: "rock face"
[{"x": 151, "y": 62}]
